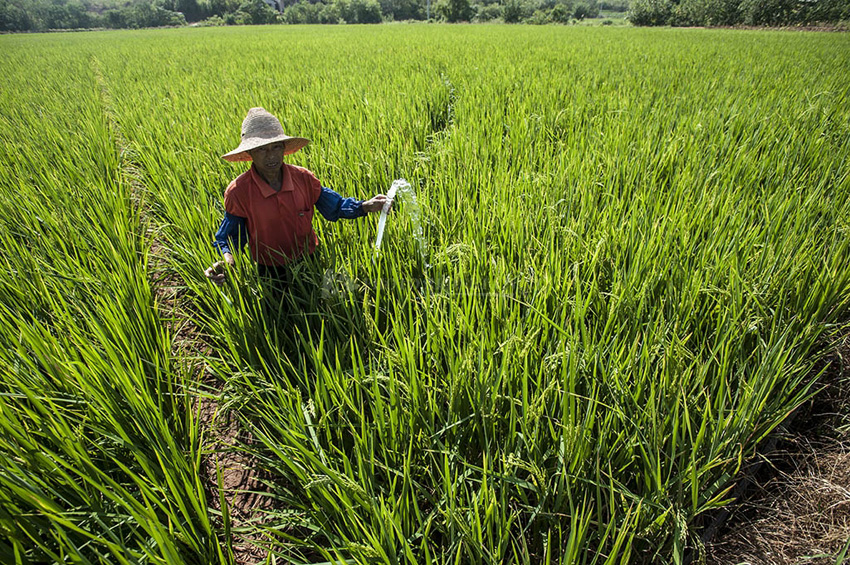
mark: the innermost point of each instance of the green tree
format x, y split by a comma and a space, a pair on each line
303, 13
487, 12
586, 10
515, 11
330, 14
190, 9
221, 7
768, 12
145, 14
562, 13
824, 11
650, 12
14, 18
454, 10
402, 9
364, 12
256, 12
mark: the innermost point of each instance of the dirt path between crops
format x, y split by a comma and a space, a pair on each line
241, 486
797, 508
229, 473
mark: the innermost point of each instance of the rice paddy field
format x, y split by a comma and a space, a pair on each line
636, 249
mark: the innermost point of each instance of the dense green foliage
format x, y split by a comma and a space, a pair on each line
738, 12
637, 242
35, 15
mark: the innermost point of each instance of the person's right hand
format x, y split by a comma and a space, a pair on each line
218, 272
376, 204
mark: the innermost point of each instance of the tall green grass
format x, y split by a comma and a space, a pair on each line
99, 447
637, 248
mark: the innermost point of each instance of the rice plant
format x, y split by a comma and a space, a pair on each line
637, 248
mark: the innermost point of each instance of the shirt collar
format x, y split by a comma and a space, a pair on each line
265, 189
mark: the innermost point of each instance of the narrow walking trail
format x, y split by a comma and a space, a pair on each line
232, 489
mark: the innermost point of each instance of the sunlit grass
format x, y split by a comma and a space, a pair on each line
637, 244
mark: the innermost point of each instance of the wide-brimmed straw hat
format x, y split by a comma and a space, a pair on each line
261, 128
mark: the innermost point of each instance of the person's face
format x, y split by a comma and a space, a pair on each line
269, 158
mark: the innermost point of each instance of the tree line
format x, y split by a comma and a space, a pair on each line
41, 15
738, 12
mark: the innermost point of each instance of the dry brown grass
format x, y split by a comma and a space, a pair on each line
798, 507
801, 516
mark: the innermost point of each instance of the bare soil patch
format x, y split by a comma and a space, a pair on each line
797, 507
232, 475
229, 473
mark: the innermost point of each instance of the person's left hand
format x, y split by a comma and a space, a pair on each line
376, 204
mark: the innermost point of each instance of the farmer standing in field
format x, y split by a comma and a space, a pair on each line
270, 206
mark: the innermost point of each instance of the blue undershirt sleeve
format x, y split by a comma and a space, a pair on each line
233, 230
332, 206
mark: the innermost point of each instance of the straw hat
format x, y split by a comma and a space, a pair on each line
261, 128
